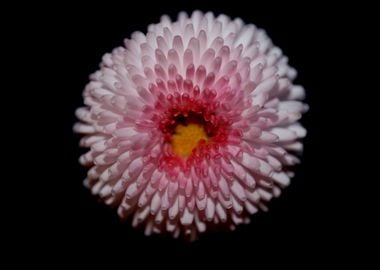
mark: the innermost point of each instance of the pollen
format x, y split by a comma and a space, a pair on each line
187, 137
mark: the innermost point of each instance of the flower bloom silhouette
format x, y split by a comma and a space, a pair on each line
194, 124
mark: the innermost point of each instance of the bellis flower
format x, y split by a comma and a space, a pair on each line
192, 125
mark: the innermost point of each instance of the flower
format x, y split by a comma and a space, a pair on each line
191, 125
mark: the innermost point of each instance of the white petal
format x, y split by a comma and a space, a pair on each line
250, 162
238, 191
155, 203
281, 178
210, 209
187, 217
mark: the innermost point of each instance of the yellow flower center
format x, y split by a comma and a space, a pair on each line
187, 137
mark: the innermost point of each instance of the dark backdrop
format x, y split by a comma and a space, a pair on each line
301, 224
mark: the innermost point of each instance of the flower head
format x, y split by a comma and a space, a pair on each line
192, 124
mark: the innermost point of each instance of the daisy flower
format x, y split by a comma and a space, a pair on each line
192, 125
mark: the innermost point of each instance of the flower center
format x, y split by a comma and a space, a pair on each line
193, 129
187, 136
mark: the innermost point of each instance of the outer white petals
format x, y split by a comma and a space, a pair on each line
83, 114
155, 204
292, 106
125, 133
265, 169
210, 209
174, 210
223, 186
221, 212
296, 92
200, 225
284, 134
84, 129
238, 191
268, 137
298, 129
251, 209
245, 36
187, 217
265, 86
250, 162
274, 162
260, 99
281, 178
295, 146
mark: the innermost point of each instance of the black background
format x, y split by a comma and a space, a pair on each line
301, 227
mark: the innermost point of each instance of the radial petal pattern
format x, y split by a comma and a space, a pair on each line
194, 124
